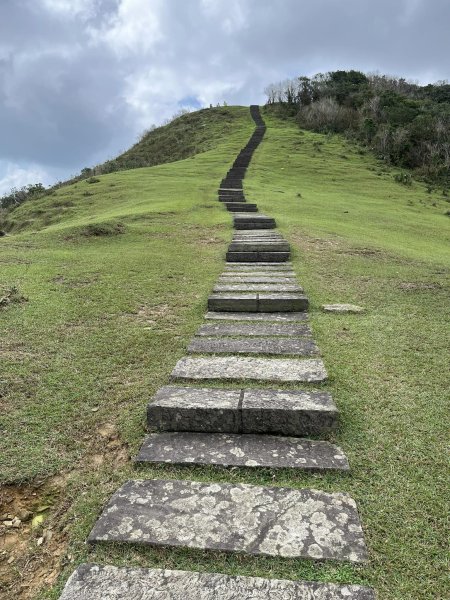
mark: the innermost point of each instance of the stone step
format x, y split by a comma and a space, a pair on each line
282, 412
265, 224
254, 329
257, 267
234, 183
267, 235
243, 368
264, 277
253, 520
241, 450
257, 287
241, 207
256, 246
257, 235
224, 279
94, 582
253, 345
278, 317
257, 302
268, 256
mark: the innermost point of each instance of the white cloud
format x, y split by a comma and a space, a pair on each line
135, 27
15, 176
231, 14
69, 7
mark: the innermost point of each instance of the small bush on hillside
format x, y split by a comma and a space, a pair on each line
92, 180
403, 178
103, 229
11, 296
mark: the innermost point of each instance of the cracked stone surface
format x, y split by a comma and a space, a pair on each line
227, 345
294, 413
94, 582
342, 308
241, 518
176, 408
243, 316
257, 287
252, 329
288, 412
241, 450
233, 368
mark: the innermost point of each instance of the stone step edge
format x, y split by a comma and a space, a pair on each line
241, 450
98, 582
295, 413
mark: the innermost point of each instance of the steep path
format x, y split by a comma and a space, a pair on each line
255, 295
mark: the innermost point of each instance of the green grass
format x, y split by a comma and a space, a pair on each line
108, 315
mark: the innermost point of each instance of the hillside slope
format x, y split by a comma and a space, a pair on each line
116, 275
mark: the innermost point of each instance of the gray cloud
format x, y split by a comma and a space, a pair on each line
79, 79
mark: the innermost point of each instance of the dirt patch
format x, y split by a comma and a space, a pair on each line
316, 244
371, 252
32, 547
74, 283
34, 532
149, 315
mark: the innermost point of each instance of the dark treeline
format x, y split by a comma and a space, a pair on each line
403, 123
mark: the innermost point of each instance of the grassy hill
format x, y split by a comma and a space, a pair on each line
116, 275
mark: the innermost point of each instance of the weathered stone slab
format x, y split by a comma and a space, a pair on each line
250, 235
236, 368
295, 413
233, 302
241, 450
273, 257
342, 308
251, 329
273, 346
268, 279
257, 287
248, 272
255, 246
241, 207
257, 302
93, 582
243, 316
288, 412
176, 408
285, 302
241, 518
263, 266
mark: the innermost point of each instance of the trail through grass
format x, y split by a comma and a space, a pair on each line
117, 281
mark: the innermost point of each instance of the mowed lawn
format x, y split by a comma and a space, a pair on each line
117, 283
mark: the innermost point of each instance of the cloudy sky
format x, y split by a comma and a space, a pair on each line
80, 79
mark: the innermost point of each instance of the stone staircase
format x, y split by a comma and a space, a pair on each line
255, 332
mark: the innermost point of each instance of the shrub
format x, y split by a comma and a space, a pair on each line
403, 178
